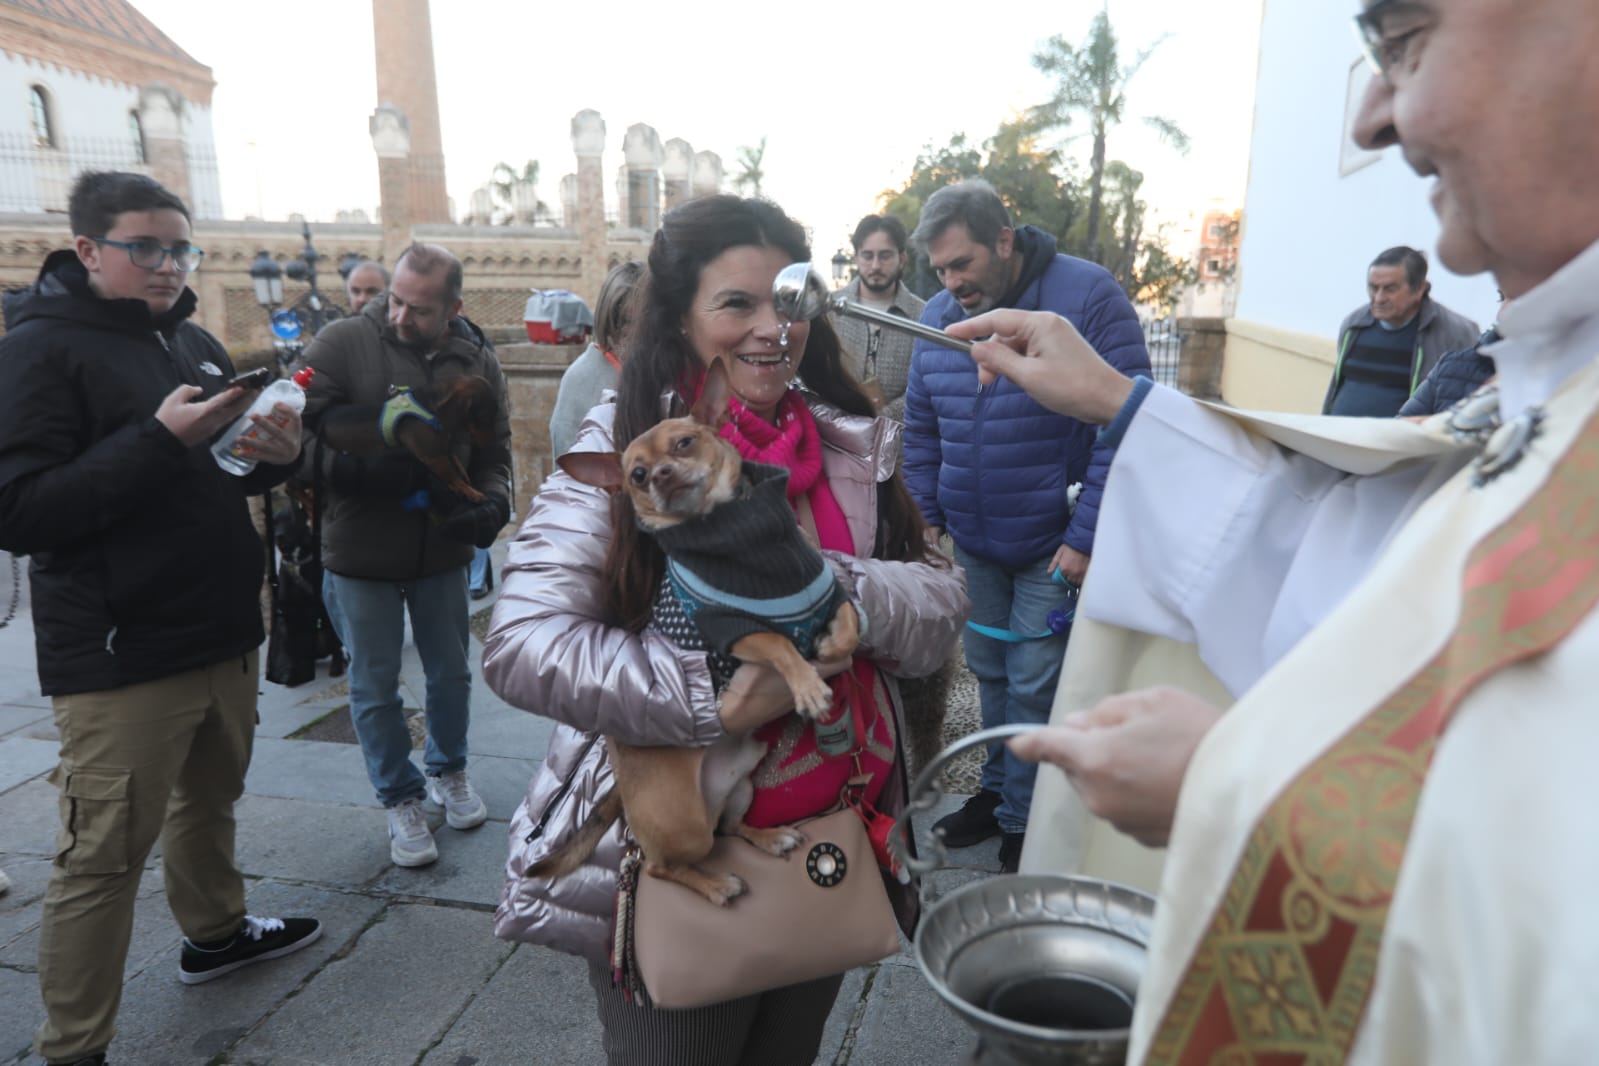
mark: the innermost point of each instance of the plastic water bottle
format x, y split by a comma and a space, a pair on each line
230, 445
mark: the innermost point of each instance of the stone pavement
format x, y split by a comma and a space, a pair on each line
408, 970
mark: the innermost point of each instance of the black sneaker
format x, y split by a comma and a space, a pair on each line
972, 824
259, 939
92, 1060
1010, 852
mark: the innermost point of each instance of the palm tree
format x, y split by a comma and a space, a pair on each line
1091, 82
750, 173
514, 192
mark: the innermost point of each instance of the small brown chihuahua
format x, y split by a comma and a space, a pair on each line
691, 491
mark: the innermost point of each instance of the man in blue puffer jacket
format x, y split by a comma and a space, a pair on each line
993, 468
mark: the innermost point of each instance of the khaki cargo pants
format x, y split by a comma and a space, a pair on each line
158, 759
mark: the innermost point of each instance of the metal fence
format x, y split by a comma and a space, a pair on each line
36, 178
1165, 344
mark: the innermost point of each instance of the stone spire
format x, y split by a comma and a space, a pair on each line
403, 33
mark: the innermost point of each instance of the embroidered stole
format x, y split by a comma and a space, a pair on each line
1284, 970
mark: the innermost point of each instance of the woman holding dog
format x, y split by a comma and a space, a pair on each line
580, 633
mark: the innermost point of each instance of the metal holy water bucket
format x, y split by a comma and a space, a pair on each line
1045, 967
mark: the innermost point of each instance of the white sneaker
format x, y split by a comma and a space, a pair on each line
410, 839
463, 808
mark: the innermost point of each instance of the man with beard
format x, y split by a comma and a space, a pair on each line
393, 540
881, 358
995, 469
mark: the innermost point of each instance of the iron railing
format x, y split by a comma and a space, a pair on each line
1165, 344
36, 179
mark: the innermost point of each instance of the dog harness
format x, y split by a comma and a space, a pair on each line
401, 404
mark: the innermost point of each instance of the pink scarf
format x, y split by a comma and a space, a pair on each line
796, 445
811, 783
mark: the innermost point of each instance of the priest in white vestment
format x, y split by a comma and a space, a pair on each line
1382, 852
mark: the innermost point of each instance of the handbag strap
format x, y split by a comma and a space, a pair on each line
271, 549
624, 955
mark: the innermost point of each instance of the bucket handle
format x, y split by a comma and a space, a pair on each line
926, 793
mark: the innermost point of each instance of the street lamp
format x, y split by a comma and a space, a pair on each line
267, 277
310, 311
304, 269
840, 268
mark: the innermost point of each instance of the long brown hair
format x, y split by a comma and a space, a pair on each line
661, 364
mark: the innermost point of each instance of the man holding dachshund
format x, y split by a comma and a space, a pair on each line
394, 538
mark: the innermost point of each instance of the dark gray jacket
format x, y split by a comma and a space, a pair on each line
1442, 330
893, 363
356, 361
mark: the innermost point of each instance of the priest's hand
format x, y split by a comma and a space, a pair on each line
1046, 356
1127, 756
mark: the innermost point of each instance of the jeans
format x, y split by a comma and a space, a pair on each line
478, 573
1015, 682
369, 617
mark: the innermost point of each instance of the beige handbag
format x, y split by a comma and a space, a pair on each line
822, 910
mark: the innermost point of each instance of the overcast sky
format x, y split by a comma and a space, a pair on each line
847, 95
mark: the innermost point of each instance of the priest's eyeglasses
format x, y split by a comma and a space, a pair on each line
1388, 33
150, 253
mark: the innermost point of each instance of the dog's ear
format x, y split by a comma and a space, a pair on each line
711, 407
603, 470
458, 394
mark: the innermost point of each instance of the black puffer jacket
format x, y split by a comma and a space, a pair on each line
144, 560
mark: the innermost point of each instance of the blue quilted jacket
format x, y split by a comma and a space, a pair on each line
992, 466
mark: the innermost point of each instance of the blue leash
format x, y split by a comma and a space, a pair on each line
1059, 620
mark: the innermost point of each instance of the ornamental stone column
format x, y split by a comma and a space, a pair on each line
641, 148
165, 148
391, 140
707, 174
588, 143
677, 172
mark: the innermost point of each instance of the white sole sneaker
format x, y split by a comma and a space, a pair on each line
458, 816
413, 848
419, 857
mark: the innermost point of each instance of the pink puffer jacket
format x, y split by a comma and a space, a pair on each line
547, 651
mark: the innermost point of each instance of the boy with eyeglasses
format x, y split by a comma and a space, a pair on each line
145, 572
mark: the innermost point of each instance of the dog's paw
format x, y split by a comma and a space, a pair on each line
813, 697
779, 840
788, 838
832, 648
843, 636
725, 889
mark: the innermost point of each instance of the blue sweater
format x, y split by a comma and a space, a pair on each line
992, 466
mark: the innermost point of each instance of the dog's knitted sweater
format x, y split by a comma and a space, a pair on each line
747, 568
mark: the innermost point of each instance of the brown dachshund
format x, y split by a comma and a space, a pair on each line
462, 406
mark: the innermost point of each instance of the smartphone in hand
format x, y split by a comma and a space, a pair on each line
255, 379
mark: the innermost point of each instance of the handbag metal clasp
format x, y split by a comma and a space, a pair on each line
826, 864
